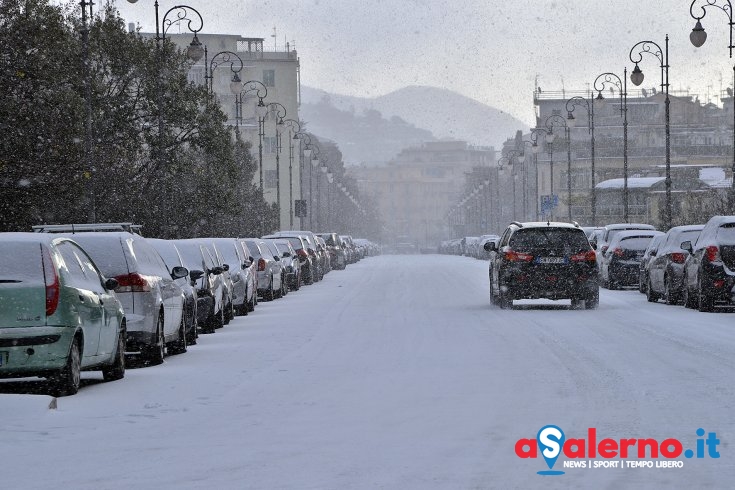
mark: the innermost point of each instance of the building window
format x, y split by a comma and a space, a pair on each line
269, 78
270, 179
269, 144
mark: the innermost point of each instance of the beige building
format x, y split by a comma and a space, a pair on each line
414, 191
278, 72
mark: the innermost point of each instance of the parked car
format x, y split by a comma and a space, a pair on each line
239, 270
59, 315
271, 244
666, 268
170, 255
252, 301
337, 254
209, 285
306, 261
601, 241
268, 269
227, 278
324, 251
646, 260
543, 260
620, 265
153, 302
317, 270
291, 262
709, 271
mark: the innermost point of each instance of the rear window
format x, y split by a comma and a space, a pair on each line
565, 239
689, 235
107, 253
253, 248
229, 254
167, 251
20, 262
296, 243
635, 243
726, 234
191, 254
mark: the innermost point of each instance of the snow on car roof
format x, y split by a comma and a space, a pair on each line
633, 182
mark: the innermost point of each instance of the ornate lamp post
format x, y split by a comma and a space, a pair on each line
698, 36
194, 52
603, 80
571, 104
291, 126
311, 153
280, 112
551, 121
535, 149
636, 76
91, 217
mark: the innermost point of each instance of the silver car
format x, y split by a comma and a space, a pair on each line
269, 271
153, 302
239, 271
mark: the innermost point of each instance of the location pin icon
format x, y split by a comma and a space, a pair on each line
550, 441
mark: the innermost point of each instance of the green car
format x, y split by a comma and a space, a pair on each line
58, 314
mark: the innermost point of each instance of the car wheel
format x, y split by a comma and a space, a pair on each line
116, 370
252, 302
191, 334
688, 297
179, 346
670, 297
642, 281
577, 303
67, 381
503, 301
270, 295
705, 302
592, 301
651, 296
155, 353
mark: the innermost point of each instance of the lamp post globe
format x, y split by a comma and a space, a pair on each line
236, 84
195, 51
636, 76
307, 153
698, 36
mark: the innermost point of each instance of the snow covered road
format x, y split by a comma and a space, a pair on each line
398, 374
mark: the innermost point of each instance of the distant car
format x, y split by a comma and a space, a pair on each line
278, 257
291, 262
601, 240
153, 302
300, 245
240, 272
172, 258
620, 264
649, 253
59, 314
666, 268
337, 253
549, 260
206, 277
268, 269
709, 271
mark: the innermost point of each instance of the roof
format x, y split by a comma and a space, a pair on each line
75, 227
545, 224
633, 182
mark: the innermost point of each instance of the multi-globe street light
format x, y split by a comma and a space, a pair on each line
194, 52
636, 76
603, 80
698, 36
572, 104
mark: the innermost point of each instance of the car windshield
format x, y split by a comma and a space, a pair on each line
560, 239
20, 262
726, 234
635, 243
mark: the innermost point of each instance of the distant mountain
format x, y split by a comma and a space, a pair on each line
444, 113
362, 136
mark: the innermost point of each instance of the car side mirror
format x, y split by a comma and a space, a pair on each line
111, 284
225, 267
216, 270
687, 245
490, 247
286, 254
653, 253
195, 275
246, 264
251, 259
178, 272
277, 258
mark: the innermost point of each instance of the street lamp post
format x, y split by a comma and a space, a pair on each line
87, 74
280, 112
291, 125
599, 84
698, 36
570, 106
551, 121
194, 52
636, 77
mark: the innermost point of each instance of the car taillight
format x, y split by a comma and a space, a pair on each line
712, 253
261, 264
512, 256
618, 251
302, 253
132, 283
51, 279
678, 257
588, 256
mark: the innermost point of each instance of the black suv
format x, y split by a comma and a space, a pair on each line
543, 260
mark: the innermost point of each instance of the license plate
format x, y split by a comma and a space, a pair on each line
551, 260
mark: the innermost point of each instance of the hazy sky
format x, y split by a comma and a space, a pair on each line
486, 49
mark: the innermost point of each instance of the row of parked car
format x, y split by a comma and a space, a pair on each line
86, 297
691, 265
469, 246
